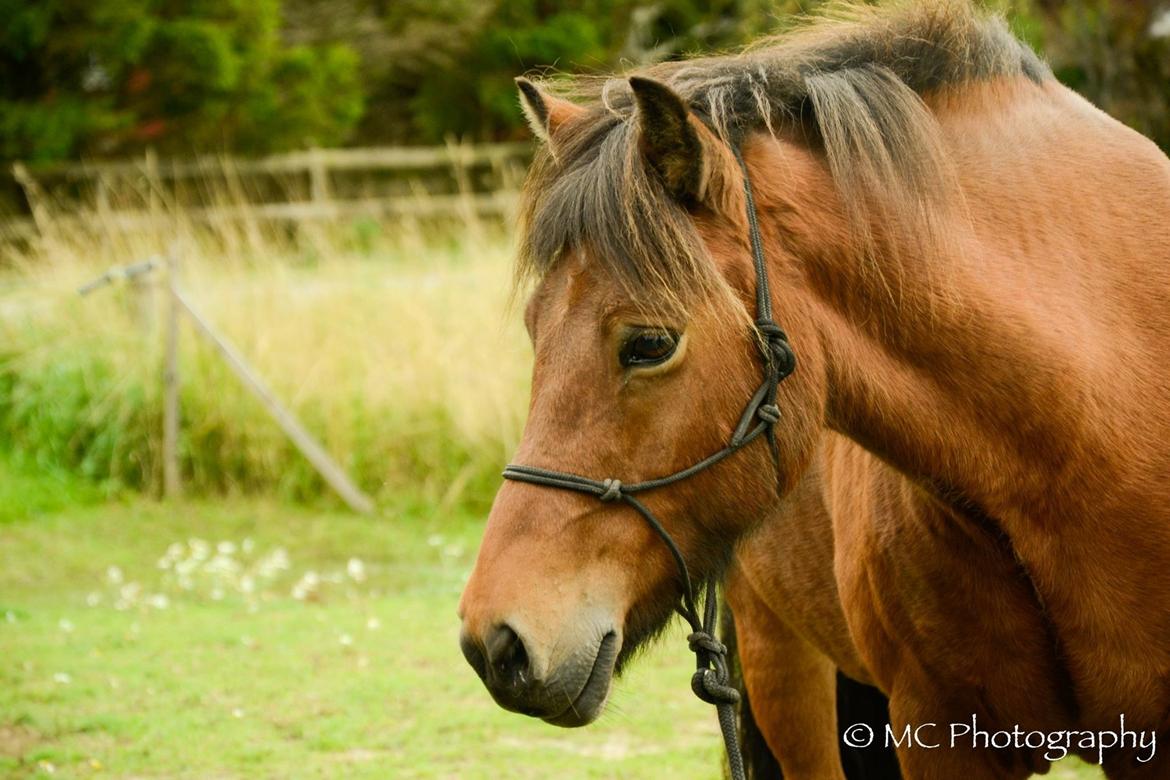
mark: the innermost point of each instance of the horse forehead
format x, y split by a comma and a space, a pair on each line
572, 288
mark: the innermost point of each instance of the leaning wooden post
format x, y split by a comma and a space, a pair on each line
304, 441
171, 483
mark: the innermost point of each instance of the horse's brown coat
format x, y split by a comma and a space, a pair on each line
1012, 558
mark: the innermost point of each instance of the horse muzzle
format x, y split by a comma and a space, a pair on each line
570, 691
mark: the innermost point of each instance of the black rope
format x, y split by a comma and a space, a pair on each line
710, 681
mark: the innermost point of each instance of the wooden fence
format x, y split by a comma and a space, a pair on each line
456, 180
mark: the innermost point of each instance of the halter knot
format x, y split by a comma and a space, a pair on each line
710, 684
613, 490
778, 351
702, 642
769, 413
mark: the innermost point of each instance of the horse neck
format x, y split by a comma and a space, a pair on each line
947, 363
1018, 373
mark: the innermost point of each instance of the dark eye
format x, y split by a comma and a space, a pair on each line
648, 348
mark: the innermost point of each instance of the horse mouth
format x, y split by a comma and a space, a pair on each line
590, 701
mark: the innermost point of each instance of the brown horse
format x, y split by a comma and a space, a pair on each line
973, 266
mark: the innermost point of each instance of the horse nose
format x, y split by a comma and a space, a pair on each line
507, 658
501, 660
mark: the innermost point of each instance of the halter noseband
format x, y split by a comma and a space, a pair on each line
710, 681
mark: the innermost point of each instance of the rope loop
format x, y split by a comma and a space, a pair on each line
769, 413
771, 331
613, 490
707, 686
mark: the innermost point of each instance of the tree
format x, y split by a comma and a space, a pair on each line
106, 76
445, 67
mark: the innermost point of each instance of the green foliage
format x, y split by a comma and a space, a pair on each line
314, 96
458, 59
110, 76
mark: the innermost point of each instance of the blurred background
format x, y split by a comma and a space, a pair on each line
319, 191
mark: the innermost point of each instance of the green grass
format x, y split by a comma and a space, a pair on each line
362, 679
356, 679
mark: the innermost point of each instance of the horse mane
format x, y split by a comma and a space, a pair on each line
849, 80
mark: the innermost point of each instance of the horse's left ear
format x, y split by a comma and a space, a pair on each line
671, 140
546, 114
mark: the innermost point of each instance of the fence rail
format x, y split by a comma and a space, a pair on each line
314, 184
361, 158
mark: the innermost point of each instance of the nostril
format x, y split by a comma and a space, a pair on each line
473, 654
507, 656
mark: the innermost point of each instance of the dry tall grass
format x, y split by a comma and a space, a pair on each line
392, 343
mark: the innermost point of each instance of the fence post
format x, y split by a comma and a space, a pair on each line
171, 379
459, 154
153, 182
35, 197
318, 176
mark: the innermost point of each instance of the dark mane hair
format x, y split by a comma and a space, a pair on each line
850, 78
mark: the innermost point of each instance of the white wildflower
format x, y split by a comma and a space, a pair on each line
159, 601
345, 639
173, 554
200, 550
237, 713
93, 599
356, 570
247, 545
114, 575
272, 564
62, 678
65, 625
373, 624
226, 548
435, 540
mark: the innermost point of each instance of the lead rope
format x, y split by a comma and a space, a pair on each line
710, 682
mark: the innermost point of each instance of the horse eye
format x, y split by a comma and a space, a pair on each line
648, 348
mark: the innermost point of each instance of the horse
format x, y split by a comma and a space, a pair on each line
972, 266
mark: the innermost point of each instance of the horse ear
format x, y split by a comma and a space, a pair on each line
545, 113
670, 141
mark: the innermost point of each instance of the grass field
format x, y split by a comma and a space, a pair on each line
115, 667
136, 644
